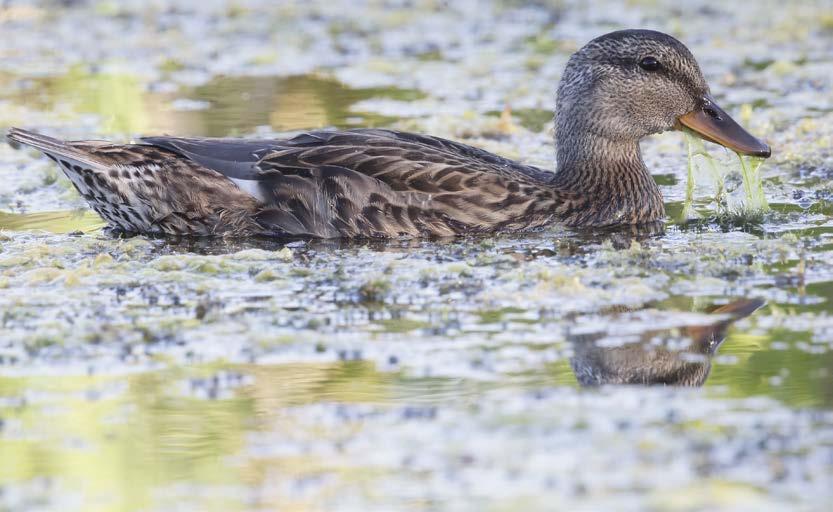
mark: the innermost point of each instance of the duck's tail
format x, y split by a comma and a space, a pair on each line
53, 148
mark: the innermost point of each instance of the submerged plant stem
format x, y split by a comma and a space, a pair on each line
689, 189
751, 206
753, 185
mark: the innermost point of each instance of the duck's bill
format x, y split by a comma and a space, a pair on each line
713, 124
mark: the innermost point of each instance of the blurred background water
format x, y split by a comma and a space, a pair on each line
474, 374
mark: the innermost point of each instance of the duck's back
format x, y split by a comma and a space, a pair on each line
372, 183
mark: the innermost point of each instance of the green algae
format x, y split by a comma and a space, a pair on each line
755, 203
267, 275
312, 395
402, 325
497, 315
726, 206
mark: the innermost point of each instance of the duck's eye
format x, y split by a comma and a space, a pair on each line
649, 64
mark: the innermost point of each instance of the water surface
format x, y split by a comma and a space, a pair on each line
685, 369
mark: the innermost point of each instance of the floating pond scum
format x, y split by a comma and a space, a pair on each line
742, 203
233, 375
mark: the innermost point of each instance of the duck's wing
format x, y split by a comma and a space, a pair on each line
375, 183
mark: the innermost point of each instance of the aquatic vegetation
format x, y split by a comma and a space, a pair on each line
374, 290
144, 374
755, 202
728, 204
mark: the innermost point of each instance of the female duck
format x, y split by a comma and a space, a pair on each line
615, 90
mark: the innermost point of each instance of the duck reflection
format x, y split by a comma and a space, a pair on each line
657, 357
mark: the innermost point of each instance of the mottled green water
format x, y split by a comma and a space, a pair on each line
53, 222
224, 106
182, 374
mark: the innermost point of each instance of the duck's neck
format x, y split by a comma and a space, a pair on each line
609, 180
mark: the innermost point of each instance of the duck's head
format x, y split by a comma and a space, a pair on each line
628, 84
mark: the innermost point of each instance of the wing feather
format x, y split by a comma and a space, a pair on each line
374, 182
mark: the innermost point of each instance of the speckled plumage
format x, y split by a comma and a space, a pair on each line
385, 183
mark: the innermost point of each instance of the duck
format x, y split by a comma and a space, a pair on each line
381, 183
645, 362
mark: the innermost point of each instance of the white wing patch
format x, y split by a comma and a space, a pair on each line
251, 187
